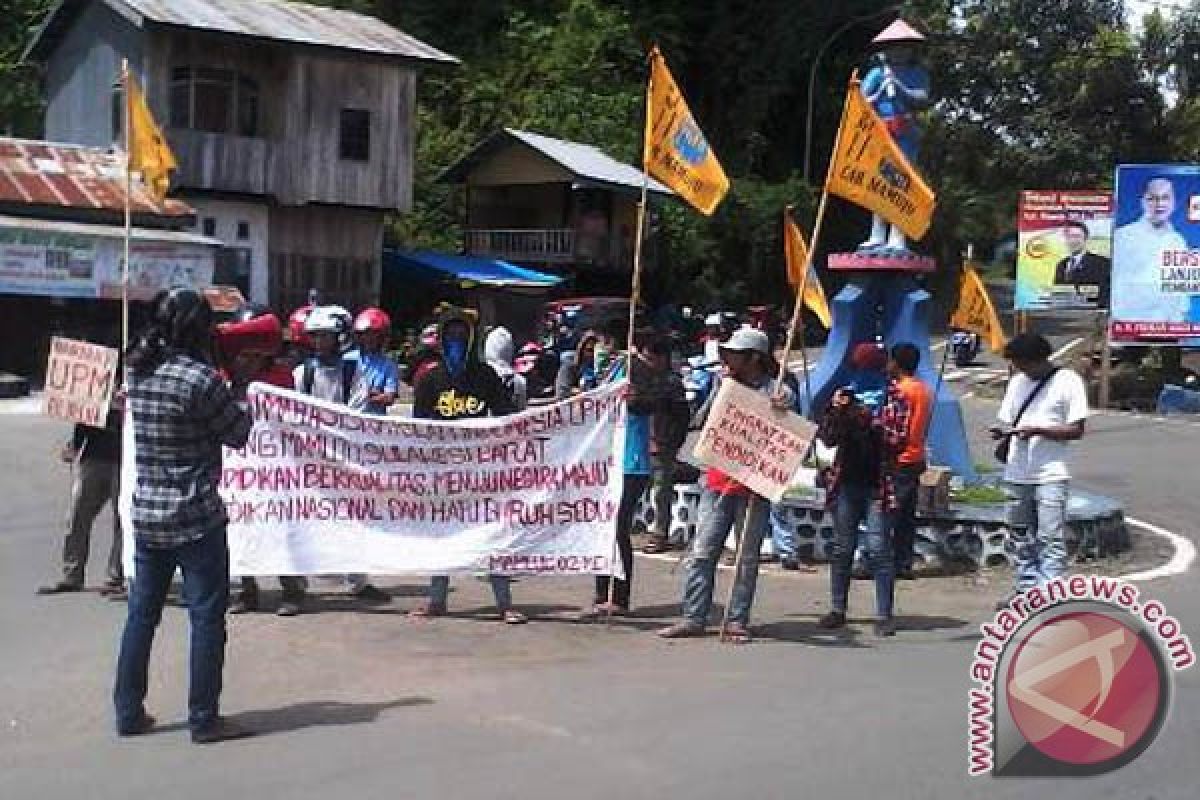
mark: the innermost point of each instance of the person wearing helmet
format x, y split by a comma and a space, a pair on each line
183, 415
379, 379
459, 387
427, 356
330, 375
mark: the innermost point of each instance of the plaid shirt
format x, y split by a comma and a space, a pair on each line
182, 414
889, 430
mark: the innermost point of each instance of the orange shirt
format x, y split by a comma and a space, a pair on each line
919, 398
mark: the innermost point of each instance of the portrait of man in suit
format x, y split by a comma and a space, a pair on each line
1080, 268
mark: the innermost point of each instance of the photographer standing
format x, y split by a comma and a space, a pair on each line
183, 413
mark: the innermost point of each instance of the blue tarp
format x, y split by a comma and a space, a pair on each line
430, 264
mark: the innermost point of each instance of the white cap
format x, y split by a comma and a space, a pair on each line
713, 320
746, 338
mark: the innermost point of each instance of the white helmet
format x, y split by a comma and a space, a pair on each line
327, 319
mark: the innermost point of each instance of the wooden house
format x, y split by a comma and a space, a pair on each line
551, 204
292, 124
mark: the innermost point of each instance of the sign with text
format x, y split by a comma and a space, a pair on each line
321, 489
80, 377
753, 443
1063, 246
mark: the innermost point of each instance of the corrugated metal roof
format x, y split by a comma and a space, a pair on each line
587, 161
589, 164
51, 175
268, 19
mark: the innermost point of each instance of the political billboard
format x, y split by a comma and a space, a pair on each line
1063, 239
1156, 255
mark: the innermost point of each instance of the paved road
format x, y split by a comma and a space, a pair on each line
372, 705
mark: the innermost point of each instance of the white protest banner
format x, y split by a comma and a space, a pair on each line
80, 377
753, 443
320, 489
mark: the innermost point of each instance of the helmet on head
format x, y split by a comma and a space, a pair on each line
372, 319
254, 329
184, 317
327, 319
429, 335
295, 326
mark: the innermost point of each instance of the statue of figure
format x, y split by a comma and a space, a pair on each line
897, 86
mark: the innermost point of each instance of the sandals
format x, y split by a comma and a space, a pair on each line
736, 633
603, 610
656, 544
513, 617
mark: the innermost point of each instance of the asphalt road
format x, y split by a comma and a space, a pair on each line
368, 704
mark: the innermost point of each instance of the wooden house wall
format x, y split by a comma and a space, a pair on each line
333, 248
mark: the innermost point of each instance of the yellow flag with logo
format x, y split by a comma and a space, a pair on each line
802, 275
148, 150
975, 311
870, 170
675, 150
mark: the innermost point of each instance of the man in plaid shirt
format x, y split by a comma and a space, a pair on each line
861, 488
183, 414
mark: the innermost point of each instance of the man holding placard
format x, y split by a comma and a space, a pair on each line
746, 356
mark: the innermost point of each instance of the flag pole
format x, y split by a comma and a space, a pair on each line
818, 224
635, 293
128, 205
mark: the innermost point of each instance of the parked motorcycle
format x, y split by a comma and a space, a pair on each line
964, 347
699, 377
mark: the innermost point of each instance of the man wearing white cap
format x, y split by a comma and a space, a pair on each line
746, 356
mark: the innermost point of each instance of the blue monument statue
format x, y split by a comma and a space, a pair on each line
882, 302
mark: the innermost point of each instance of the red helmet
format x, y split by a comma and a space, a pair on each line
296, 326
372, 319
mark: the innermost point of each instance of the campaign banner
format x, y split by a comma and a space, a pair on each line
80, 377
1063, 250
45, 263
757, 445
1156, 255
321, 489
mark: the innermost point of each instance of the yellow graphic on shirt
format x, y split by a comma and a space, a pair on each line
451, 404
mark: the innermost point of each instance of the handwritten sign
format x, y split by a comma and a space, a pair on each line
320, 489
753, 443
80, 377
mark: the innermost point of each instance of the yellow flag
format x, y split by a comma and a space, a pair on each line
807, 283
675, 150
148, 150
870, 170
975, 311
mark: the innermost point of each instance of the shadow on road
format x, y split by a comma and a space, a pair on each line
320, 714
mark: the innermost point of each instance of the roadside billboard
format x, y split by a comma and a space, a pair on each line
1156, 255
1063, 239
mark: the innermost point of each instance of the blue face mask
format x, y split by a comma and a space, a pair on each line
454, 352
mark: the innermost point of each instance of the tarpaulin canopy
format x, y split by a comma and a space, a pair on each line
479, 270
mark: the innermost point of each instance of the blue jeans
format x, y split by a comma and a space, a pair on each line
205, 567
1037, 540
718, 514
439, 591
855, 505
783, 534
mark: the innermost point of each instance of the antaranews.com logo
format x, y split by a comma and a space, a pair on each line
1073, 677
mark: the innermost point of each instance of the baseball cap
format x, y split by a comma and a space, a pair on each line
745, 339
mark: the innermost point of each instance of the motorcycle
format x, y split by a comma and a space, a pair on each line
964, 347
699, 377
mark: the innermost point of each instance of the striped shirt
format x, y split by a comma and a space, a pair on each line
182, 415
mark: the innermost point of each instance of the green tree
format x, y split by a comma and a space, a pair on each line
20, 102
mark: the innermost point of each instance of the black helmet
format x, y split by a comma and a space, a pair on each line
184, 317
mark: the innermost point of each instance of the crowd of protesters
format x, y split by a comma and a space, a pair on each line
184, 409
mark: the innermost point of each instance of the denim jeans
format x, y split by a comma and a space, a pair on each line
205, 567
855, 505
904, 526
439, 591
783, 534
718, 514
1037, 541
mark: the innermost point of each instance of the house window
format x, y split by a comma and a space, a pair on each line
232, 267
354, 142
243, 230
213, 100
210, 226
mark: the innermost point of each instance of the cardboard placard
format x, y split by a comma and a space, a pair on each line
753, 443
80, 377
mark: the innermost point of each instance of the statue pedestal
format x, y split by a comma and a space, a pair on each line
885, 303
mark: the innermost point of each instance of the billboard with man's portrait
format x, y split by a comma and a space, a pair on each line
1063, 241
1156, 255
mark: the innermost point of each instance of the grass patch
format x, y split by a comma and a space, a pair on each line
987, 468
980, 496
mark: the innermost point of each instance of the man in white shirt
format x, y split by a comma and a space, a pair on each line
1138, 249
1043, 409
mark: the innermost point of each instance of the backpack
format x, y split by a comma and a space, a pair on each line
349, 368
